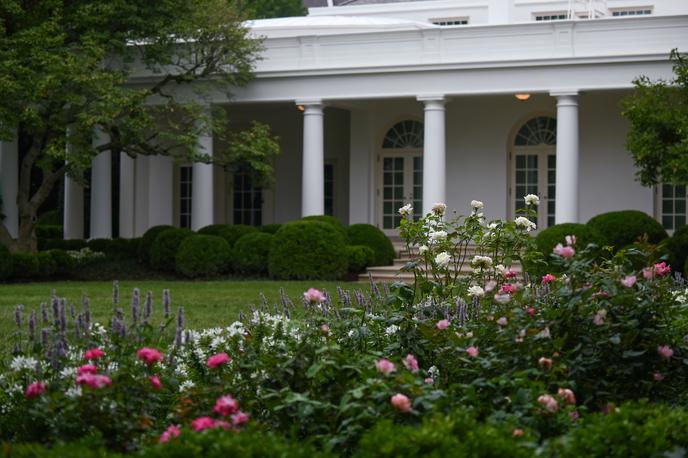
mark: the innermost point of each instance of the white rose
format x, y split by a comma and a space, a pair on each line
481, 262
532, 199
438, 236
525, 223
502, 298
442, 260
439, 208
476, 291
476, 205
423, 249
406, 210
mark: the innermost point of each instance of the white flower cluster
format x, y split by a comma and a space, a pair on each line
442, 260
476, 291
85, 254
406, 210
532, 199
524, 223
681, 296
392, 329
23, 362
437, 236
481, 262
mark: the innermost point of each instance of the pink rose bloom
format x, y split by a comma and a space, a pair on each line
545, 363
662, 269
226, 405
472, 351
93, 380
149, 355
508, 288
502, 321
442, 324
218, 360
665, 351
170, 432
510, 273
548, 403
87, 369
314, 296
518, 432
490, 285
34, 390
239, 418
222, 424
658, 377
549, 278
567, 395
599, 317
570, 239
564, 251
648, 273
155, 382
600, 293
531, 311
628, 281
325, 329
385, 366
202, 423
401, 402
94, 353
429, 380
411, 363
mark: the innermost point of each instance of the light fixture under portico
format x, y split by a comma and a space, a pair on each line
522, 96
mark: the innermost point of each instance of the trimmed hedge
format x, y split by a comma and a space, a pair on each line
165, 246
115, 248
359, 257
623, 228
64, 263
6, 263
331, 220
270, 228
250, 254
60, 244
25, 265
677, 246
202, 256
146, 243
373, 237
308, 250
47, 267
547, 239
231, 233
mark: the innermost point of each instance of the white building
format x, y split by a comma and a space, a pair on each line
380, 103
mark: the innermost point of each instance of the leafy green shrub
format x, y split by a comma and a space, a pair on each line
64, 263
270, 228
231, 233
25, 265
60, 244
373, 237
360, 257
51, 217
331, 220
250, 254
165, 246
307, 250
49, 231
115, 248
6, 263
622, 228
202, 256
46, 264
146, 243
677, 246
547, 239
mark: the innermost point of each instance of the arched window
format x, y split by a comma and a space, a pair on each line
538, 131
404, 134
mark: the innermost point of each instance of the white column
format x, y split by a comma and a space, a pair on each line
567, 157
202, 208
313, 166
9, 182
101, 190
127, 191
434, 152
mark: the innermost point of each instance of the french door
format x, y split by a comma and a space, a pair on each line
533, 171
400, 182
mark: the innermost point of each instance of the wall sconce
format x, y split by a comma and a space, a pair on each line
522, 97
300, 107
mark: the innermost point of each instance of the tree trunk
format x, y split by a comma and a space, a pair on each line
26, 241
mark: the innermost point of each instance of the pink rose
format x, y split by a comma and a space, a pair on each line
226, 405
93, 380
35, 390
401, 402
658, 377
222, 424
545, 363
218, 360
442, 324
567, 395
548, 403
87, 369
428, 380
202, 423
239, 418
472, 351
628, 281
170, 432
314, 296
385, 366
155, 382
665, 351
662, 269
549, 278
94, 353
149, 355
508, 288
411, 363
490, 285
531, 311
502, 321
648, 273
599, 317
510, 273
564, 251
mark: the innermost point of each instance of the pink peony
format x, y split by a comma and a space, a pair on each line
442, 324
411, 363
401, 402
149, 355
665, 351
567, 395
35, 390
170, 432
658, 377
385, 366
628, 281
545, 363
218, 360
87, 369
226, 405
662, 269
564, 251
548, 403
472, 351
239, 418
502, 321
202, 423
314, 296
155, 382
549, 278
94, 353
93, 380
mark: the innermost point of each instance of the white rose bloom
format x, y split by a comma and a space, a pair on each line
525, 223
481, 262
532, 199
439, 208
500, 269
476, 291
502, 298
442, 260
423, 249
493, 225
406, 210
391, 330
438, 236
476, 205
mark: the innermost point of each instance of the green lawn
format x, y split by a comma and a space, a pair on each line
207, 303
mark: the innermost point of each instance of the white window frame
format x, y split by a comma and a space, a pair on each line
659, 208
231, 182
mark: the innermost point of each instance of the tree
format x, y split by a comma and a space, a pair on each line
658, 135
263, 9
127, 68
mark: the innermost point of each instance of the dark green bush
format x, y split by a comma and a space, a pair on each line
202, 256
25, 265
146, 243
60, 244
331, 220
677, 246
114, 248
371, 236
250, 254
46, 264
6, 263
270, 228
623, 228
64, 263
308, 250
360, 257
547, 239
51, 217
231, 233
49, 231
165, 246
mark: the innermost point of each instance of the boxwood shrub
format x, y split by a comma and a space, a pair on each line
677, 246
230, 232
547, 239
250, 254
47, 267
270, 228
165, 246
49, 231
64, 263
359, 257
371, 236
25, 265
331, 220
202, 256
622, 228
6, 263
146, 243
308, 250
60, 244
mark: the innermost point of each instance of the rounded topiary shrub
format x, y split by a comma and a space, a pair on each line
373, 237
677, 246
25, 265
331, 220
165, 246
360, 257
230, 232
146, 243
308, 250
623, 228
250, 254
202, 256
270, 228
547, 239
6, 263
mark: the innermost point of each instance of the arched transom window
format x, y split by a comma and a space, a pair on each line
404, 134
538, 131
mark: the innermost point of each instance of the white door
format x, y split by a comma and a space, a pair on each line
533, 171
400, 182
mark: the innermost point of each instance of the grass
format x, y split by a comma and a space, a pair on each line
206, 303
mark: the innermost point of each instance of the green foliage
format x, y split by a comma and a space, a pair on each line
51, 217
359, 257
677, 246
202, 256
165, 246
146, 244
270, 228
60, 244
230, 232
49, 231
263, 9
658, 134
371, 236
547, 239
47, 267
115, 248
6, 263
305, 250
251, 251
331, 220
26, 265
622, 228
64, 263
